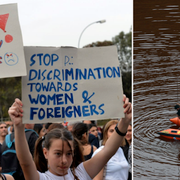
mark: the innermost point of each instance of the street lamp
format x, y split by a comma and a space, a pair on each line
102, 21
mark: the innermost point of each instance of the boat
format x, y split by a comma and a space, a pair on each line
170, 134
176, 121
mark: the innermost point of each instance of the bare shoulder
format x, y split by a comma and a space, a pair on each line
94, 148
9, 177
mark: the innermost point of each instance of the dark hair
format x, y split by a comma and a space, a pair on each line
91, 125
55, 125
92, 121
38, 127
78, 130
47, 125
46, 141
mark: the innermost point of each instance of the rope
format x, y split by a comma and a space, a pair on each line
178, 104
177, 90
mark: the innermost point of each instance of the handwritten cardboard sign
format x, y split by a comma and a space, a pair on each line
71, 84
12, 61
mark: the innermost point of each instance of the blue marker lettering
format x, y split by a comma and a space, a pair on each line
90, 73
55, 57
68, 112
74, 87
104, 72
48, 59
52, 86
57, 113
41, 113
59, 99
33, 111
38, 87
40, 60
63, 112
59, 86
57, 74
66, 60
39, 74
44, 76
98, 72
49, 113
77, 110
42, 99
80, 74
70, 98
67, 86
69, 73
31, 86
100, 108
63, 74
45, 87
33, 100
32, 74
109, 72
48, 75
51, 98
85, 111
116, 72
93, 109
32, 60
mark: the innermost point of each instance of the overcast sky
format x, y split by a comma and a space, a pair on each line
60, 22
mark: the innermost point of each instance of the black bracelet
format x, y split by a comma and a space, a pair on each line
120, 133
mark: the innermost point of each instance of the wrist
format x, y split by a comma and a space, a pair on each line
123, 125
126, 121
119, 132
18, 126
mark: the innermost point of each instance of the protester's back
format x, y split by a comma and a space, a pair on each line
9, 161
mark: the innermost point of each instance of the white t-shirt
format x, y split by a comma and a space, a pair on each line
117, 167
79, 171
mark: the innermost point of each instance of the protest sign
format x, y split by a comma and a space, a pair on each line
12, 61
71, 84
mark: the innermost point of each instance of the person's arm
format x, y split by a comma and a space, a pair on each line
97, 162
99, 176
22, 150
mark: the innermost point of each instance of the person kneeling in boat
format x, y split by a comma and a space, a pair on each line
177, 107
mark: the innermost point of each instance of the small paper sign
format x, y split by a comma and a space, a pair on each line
12, 61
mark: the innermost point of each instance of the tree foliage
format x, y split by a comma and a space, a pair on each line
124, 47
98, 44
9, 89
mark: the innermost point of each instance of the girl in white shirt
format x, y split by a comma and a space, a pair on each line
117, 167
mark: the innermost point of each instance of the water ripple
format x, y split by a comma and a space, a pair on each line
155, 90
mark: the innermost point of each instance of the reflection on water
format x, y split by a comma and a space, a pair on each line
156, 88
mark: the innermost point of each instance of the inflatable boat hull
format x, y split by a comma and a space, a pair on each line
176, 121
170, 134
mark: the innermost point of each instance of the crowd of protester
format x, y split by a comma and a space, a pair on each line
89, 138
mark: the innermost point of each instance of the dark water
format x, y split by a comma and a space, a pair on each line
156, 88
